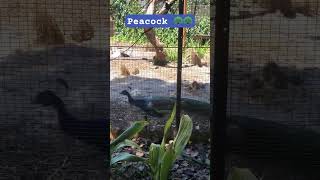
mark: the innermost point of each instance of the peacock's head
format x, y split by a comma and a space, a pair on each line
125, 92
47, 98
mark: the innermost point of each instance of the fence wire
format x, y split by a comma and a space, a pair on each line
274, 76
132, 66
133, 70
56, 46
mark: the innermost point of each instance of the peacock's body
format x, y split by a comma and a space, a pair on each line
90, 131
155, 105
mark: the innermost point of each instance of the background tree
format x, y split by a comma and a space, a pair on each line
161, 57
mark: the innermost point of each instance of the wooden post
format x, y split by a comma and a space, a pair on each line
185, 11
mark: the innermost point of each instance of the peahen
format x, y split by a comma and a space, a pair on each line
90, 131
156, 105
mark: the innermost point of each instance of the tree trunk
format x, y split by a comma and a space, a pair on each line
161, 57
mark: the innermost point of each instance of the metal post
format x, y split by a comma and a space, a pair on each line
179, 67
220, 86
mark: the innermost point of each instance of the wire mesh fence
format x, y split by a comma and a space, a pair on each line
58, 48
274, 77
134, 72
132, 58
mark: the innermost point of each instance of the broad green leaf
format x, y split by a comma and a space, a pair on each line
129, 133
125, 157
166, 163
154, 156
126, 143
241, 174
168, 125
183, 135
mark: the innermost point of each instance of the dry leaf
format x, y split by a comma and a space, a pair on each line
139, 154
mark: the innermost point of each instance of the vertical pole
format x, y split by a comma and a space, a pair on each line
220, 86
179, 68
185, 11
109, 34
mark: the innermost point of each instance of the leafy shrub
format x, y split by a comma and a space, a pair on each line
124, 141
162, 156
168, 36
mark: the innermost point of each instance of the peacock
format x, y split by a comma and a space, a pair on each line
90, 131
158, 105
146, 104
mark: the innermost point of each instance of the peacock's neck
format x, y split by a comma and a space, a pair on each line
63, 114
130, 98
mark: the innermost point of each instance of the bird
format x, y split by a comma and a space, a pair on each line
269, 141
157, 105
143, 103
93, 131
123, 54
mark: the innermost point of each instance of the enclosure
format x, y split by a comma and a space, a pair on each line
272, 94
273, 72
134, 68
58, 46
55, 85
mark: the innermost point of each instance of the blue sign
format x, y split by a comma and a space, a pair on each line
160, 21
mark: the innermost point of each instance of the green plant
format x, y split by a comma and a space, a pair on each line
172, 54
162, 157
124, 141
168, 36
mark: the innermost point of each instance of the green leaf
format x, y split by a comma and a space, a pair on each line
241, 174
154, 157
129, 133
167, 162
127, 143
124, 156
183, 135
168, 125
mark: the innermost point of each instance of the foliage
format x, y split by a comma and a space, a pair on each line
168, 36
123, 141
162, 156
172, 53
121, 8
202, 27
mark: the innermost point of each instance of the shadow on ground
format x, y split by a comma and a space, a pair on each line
32, 144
